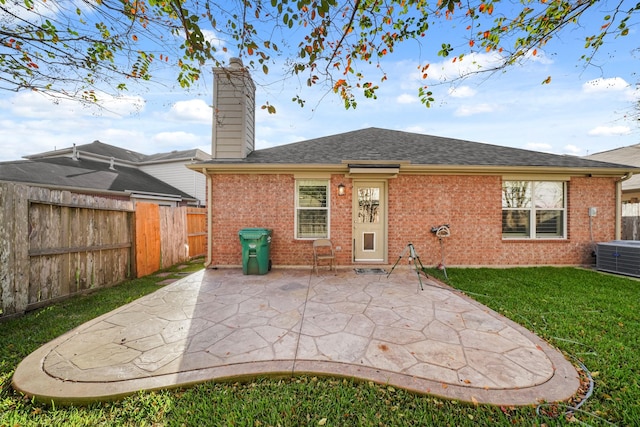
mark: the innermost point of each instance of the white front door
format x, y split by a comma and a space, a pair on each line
369, 221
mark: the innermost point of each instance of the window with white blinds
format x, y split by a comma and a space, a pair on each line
312, 209
534, 209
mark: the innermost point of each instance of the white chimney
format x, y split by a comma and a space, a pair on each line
233, 112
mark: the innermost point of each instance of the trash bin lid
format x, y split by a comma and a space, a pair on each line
253, 233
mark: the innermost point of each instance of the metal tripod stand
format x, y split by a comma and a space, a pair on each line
413, 256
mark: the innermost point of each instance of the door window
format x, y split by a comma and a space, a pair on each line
368, 205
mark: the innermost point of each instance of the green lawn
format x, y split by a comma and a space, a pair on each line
593, 318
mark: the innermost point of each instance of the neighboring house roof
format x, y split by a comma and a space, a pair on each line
168, 168
87, 174
375, 145
629, 155
171, 156
105, 151
97, 148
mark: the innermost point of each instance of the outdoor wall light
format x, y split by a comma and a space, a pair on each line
341, 189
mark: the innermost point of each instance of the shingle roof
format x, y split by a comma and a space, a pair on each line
122, 154
629, 155
98, 148
375, 144
83, 173
177, 155
102, 149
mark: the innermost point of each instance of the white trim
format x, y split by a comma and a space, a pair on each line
296, 208
374, 171
532, 214
374, 241
536, 177
384, 224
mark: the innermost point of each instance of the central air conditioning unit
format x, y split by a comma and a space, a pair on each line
619, 256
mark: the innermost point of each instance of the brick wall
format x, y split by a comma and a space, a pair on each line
471, 205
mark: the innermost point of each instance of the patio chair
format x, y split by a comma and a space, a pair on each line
323, 251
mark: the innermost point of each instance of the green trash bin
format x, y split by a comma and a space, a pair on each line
256, 245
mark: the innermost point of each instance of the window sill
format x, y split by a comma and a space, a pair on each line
538, 240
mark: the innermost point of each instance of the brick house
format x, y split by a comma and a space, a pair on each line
373, 191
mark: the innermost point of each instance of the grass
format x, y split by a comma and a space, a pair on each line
591, 317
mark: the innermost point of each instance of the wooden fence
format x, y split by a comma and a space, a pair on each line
168, 235
56, 243
197, 231
630, 221
148, 252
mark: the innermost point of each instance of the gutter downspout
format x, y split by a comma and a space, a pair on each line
209, 203
618, 228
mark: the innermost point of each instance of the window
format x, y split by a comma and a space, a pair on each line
368, 205
312, 209
533, 209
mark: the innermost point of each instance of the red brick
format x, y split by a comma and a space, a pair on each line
470, 204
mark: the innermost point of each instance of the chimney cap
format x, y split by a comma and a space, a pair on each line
235, 63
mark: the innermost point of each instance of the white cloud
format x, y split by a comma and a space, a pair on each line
610, 131
415, 129
36, 10
605, 85
572, 149
632, 94
120, 105
470, 64
540, 56
539, 146
176, 139
213, 38
32, 123
470, 110
405, 98
120, 137
462, 92
34, 105
194, 110
24, 137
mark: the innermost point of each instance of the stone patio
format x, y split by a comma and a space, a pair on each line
220, 325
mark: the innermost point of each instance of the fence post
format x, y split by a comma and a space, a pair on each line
133, 258
14, 248
630, 221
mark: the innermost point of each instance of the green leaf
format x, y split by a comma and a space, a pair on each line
446, 50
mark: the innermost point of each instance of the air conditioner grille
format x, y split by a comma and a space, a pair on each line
619, 256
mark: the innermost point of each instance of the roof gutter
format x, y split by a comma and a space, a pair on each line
404, 169
208, 204
159, 196
186, 159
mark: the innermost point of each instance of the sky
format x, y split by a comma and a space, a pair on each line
585, 109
